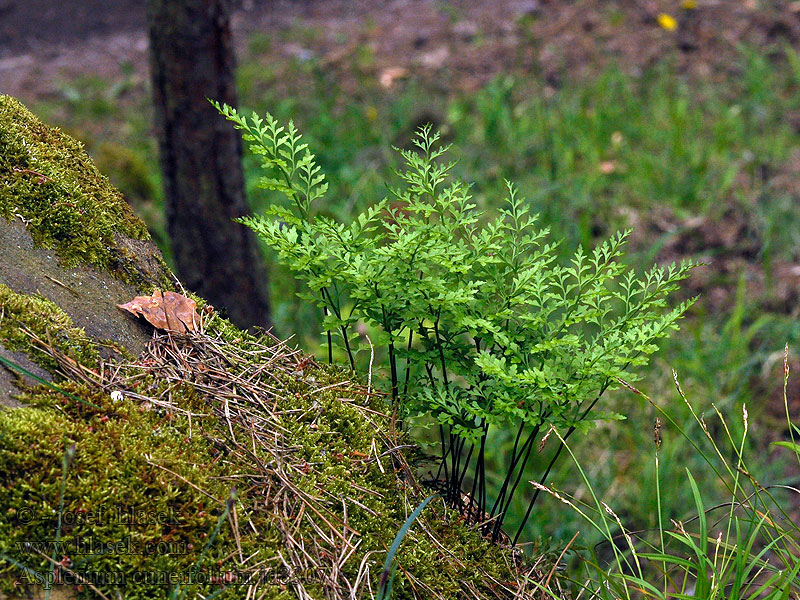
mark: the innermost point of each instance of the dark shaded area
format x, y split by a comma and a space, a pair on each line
26, 25
192, 59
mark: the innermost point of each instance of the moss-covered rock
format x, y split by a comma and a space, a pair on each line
209, 458
71, 250
49, 182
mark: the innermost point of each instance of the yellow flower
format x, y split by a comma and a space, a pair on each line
668, 22
689, 4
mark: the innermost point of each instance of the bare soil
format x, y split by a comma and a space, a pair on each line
459, 43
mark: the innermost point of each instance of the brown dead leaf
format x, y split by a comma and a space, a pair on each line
168, 311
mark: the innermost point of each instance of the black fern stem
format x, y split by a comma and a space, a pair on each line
570, 431
330, 340
347, 347
482, 492
482, 465
455, 452
393, 365
542, 479
499, 523
448, 494
392, 356
442, 362
453, 467
445, 453
479, 464
338, 314
455, 448
460, 483
408, 360
510, 472
445, 450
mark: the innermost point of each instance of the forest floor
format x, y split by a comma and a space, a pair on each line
460, 43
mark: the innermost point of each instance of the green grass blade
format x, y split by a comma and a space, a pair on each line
384, 587
20, 369
791, 446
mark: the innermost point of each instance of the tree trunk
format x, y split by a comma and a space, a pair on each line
192, 59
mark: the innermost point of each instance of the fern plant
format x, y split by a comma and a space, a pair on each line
483, 328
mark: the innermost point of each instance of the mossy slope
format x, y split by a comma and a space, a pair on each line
71, 247
322, 472
48, 181
322, 482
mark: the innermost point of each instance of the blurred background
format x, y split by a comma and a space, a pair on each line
678, 119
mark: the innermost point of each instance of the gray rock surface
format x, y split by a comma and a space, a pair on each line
88, 296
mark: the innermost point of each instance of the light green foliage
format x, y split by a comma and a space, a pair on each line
744, 547
290, 166
489, 329
594, 152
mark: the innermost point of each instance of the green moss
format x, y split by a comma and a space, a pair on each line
48, 180
134, 456
112, 476
334, 436
47, 321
